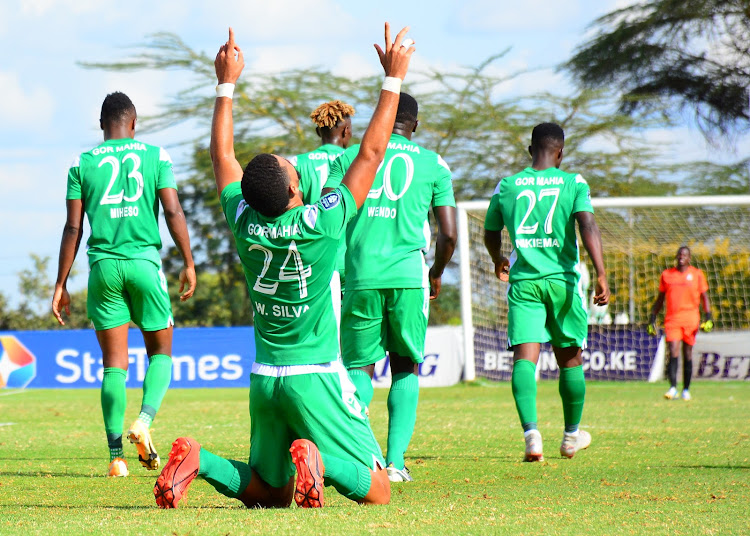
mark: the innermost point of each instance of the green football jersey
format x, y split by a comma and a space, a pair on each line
387, 241
313, 170
538, 208
118, 182
288, 263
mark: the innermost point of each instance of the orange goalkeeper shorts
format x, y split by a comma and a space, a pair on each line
681, 330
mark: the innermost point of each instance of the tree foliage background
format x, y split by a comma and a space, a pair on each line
693, 55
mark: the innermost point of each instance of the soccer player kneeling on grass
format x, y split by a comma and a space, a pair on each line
119, 184
300, 395
540, 207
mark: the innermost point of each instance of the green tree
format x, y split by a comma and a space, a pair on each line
35, 288
687, 54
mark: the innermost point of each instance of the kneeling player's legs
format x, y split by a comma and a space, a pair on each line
407, 311
323, 407
267, 480
271, 432
363, 335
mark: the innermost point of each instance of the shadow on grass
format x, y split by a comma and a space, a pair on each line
728, 466
123, 507
39, 474
48, 459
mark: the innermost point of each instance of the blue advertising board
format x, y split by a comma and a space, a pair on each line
613, 353
201, 357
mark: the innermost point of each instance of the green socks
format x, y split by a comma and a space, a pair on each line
113, 399
402, 416
572, 387
155, 385
523, 383
363, 383
351, 479
228, 477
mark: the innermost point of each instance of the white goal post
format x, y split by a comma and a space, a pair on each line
640, 237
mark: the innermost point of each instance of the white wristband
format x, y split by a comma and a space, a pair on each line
392, 84
225, 90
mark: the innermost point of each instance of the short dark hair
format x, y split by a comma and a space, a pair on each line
683, 247
546, 136
116, 107
264, 186
408, 109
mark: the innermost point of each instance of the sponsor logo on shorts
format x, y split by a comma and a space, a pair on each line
330, 201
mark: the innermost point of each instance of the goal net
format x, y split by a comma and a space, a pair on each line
640, 237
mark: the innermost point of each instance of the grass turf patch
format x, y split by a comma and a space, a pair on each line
656, 466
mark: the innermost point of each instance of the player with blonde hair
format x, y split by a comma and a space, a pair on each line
333, 124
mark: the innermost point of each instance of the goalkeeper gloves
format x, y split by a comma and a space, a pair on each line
651, 328
708, 324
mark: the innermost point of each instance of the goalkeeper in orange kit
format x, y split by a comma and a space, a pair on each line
684, 287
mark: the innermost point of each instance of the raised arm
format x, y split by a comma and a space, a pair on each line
177, 226
228, 64
592, 241
395, 61
71, 239
444, 246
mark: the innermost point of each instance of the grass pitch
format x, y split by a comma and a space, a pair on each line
654, 466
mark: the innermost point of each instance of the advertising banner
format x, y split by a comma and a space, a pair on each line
722, 356
443, 360
613, 353
202, 357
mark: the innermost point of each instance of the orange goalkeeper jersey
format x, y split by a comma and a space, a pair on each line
683, 291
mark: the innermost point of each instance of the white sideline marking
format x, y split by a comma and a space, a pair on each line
7, 423
18, 392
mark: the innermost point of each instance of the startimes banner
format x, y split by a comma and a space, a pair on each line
201, 357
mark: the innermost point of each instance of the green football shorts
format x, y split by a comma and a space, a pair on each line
315, 402
546, 311
380, 320
125, 290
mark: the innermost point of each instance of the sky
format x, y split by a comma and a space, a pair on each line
50, 105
